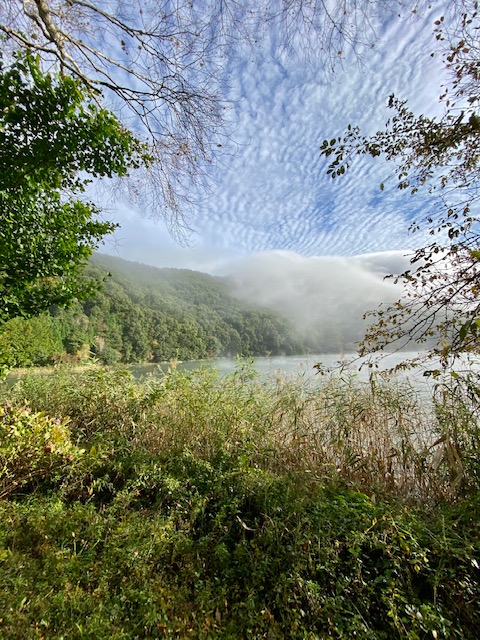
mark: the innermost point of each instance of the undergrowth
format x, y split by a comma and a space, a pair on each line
194, 506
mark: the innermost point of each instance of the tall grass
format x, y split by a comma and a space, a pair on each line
188, 505
379, 437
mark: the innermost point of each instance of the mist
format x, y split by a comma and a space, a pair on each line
324, 297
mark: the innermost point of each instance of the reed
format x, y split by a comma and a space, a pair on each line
193, 506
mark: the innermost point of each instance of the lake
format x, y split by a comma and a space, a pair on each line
290, 365
302, 365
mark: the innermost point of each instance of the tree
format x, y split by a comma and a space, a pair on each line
161, 67
53, 140
442, 288
24, 343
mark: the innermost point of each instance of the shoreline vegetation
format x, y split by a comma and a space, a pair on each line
146, 314
195, 505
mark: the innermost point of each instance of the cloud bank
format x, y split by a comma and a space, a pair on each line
325, 297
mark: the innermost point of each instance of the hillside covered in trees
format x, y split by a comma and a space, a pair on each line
144, 313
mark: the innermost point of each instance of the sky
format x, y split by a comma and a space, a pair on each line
273, 212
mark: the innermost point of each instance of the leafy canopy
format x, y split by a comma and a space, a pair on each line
53, 140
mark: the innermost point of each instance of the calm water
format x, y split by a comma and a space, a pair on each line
301, 365
291, 365
304, 366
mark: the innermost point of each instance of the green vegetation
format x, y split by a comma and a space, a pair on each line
148, 314
53, 140
191, 506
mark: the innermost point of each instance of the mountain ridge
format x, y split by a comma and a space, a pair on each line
149, 314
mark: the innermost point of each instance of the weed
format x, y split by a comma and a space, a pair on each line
194, 506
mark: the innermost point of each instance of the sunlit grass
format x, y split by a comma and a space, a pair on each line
188, 505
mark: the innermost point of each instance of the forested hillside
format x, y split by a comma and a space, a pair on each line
143, 313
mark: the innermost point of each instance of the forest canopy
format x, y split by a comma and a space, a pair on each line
145, 314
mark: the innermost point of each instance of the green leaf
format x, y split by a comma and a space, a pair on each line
54, 140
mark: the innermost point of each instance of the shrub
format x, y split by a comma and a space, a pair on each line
224, 508
32, 446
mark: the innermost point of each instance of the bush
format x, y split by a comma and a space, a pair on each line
32, 446
214, 508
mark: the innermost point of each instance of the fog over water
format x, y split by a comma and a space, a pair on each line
324, 296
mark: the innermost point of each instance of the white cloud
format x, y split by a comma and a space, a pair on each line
274, 194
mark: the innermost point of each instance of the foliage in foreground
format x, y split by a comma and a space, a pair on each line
188, 506
54, 139
441, 296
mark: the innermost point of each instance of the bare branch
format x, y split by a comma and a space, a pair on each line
159, 64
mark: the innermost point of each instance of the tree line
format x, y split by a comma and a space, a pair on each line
145, 314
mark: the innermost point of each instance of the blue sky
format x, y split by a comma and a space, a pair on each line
272, 200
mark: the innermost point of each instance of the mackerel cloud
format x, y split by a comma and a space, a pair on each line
274, 193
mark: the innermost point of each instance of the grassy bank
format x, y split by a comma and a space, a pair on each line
194, 506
